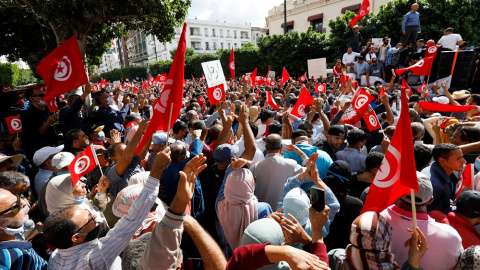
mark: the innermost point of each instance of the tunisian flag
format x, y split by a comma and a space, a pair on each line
14, 124
216, 93
304, 99
432, 50
382, 92
253, 78
397, 173
437, 107
285, 77
405, 87
63, 69
271, 101
303, 78
83, 163
422, 67
52, 105
361, 100
231, 64
364, 9
371, 120
320, 88
163, 77
465, 180
167, 105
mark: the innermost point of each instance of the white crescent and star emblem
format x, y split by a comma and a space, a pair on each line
373, 120
420, 63
217, 93
16, 124
432, 49
82, 164
389, 171
301, 110
320, 88
63, 70
360, 101
162, 78
232, 65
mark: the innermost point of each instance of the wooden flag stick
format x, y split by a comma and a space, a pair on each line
414, 209
96, 159
169, 122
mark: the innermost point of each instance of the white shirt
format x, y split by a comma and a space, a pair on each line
370, 56
241, 148
444, 242
450, 41
349, 58
271, 175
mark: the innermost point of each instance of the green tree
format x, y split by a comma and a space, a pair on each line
49, 23
188, 53
26, 76
9, 74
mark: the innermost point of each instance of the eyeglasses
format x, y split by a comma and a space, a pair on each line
14, 208
90, 220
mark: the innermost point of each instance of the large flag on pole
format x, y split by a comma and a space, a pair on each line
304, 99
421, 68
63, 69
285, 77
432, 50
364, 10
166, 108
231, 65
397, 173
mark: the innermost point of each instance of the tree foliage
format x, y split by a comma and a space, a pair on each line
26, 77
131, 73
9, 74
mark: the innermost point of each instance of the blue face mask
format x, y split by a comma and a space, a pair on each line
79, 199
42, 103
60, 173
101, 135
181, 111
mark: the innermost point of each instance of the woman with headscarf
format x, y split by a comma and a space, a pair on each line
338, 177
470, 259
369, 246
237, 207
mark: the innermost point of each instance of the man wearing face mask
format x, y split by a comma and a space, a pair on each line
70, 116
13, 214
356, 139
37, 123
43, 160
108, 116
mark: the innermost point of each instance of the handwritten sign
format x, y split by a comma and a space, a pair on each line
214, 73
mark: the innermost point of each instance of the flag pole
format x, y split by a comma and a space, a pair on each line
96, 159
169, 122
414, 209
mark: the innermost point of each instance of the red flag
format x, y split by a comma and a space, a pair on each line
405, 87
267, 78
397, 173
422, 67
465, 180
231, 65
63, 69
167, 106
303, 78
259, 80
437, 107
95, 87
273, 82
371, 120
420, 89
364, 10
257, 96
201, 100
285, 77
246, 77
382, 92
103, 83
271, 101
193, 78
304, 99
83, 163
253, 78
14, 124
216, 93
320, 88
361, 100
355, 85
113, 43
432, 50
52, 105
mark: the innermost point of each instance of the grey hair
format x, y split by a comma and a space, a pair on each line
418, 130
9, 179
190, 114
134, 251
273, 142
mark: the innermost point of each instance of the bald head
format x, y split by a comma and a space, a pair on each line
273, 142
178, 152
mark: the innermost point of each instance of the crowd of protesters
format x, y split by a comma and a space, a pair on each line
228, 187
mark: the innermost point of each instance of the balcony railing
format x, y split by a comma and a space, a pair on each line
196, 34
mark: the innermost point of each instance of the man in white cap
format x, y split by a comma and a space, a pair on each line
43, 160
60, 162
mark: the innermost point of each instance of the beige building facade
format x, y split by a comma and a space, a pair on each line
302, 14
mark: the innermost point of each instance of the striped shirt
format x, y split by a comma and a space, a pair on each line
20, 255
103, 253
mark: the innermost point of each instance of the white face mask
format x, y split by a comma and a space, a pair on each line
110, 101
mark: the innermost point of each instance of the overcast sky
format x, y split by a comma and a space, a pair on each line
232, 11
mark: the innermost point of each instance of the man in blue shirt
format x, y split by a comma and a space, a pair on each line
109, 117
362, 68
411, 24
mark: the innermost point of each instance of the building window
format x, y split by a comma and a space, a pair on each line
228, 34
213, 33
317, 25
221, 33
206, 32
207, 46
214, 46
221, 45
235, 45
229, 46
235, 34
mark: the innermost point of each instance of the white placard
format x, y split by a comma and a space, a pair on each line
271, 74
214, 73
116, 83
379, 41
317, 68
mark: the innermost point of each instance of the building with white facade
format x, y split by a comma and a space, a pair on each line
110, 61
302, 14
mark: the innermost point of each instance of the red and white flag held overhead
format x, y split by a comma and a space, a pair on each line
163, 77
432, 50
271, 101
201, 100
14, 124
303, 78
421, 68
52, 105
166, 108
246, 77
320, 88
364, 10
285, 77
361, 101
253, 78
231, 64
382, 92
304, 99
83, 163
465, 180
272, 82
397, 173
63, 69
420, 89
371, 120
216, 93
405, 87
103, 83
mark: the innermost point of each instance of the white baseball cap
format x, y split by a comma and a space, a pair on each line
43, 153
62, 160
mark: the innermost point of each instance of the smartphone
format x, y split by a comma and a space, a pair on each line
318, 198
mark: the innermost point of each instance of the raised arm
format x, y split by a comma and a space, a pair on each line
129, 152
